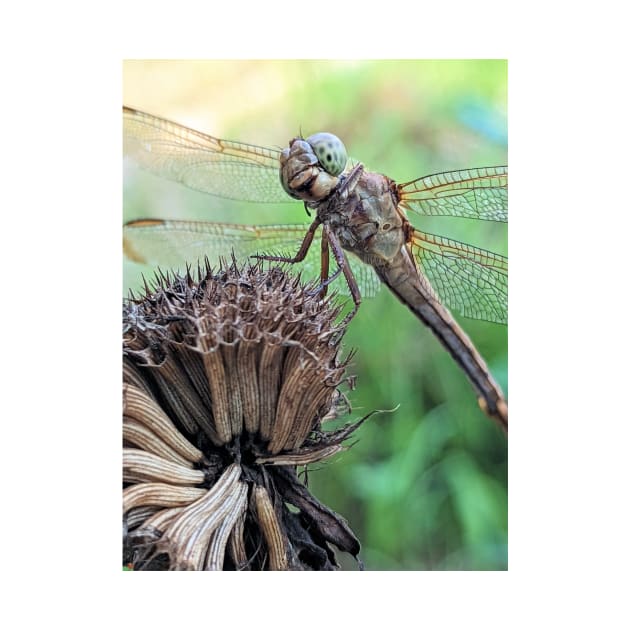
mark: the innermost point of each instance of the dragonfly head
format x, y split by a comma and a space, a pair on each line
309, 168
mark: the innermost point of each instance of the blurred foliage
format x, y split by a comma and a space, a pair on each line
425, 486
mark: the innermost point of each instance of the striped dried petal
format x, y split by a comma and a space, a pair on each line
270, 374
149, 467
152, 529
141, 436
215, 372
160, 494
302, 459
207, 504
236, 544
139, 515
138, 406
216, 552
186, 539
160, 520
271, 529
247, 365
235, 402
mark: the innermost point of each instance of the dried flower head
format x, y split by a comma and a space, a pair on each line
227, 381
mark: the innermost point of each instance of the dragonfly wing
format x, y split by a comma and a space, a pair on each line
220, 167
470, 280
475, 193
173, 244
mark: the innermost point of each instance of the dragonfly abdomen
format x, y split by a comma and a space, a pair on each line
413, 291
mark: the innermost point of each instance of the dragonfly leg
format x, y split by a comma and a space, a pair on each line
325, 260
304, 247
325, 279
344, 266
321, 289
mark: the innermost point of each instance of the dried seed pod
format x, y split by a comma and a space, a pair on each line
227, 380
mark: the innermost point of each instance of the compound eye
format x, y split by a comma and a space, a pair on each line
329, 151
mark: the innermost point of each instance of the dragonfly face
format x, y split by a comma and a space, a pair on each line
309, 168
359, 212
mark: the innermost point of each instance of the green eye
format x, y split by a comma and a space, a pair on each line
329, 151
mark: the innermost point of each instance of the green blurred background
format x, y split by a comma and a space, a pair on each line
424, 487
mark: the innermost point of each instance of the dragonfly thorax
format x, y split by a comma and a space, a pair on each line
363, 212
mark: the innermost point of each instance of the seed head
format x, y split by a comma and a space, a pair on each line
227, 381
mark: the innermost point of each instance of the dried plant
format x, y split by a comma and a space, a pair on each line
228, 380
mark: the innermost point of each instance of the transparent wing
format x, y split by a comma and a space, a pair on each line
474, 193
470, 280
172, 244
227, 169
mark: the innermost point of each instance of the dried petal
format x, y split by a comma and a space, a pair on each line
161, 494
142, 437
216, 553
302, 459
236, 543
186, 539
139, 406
271, 529
149, 467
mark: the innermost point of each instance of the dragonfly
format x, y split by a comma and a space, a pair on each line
364, 223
